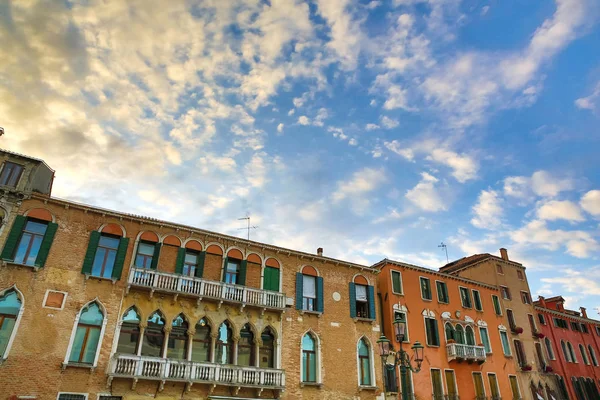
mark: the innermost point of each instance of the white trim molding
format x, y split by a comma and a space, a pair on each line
74, 330
17, 320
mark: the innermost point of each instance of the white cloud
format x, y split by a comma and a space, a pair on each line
585, 282
322, 115
363, 181
397, 98
590, 202
406, 152
464, 167
591, 102
485, 9
280, 128
372, 127
554, 210
353, 142
541, 184
389, 123
488, 210
303, 120
425, 195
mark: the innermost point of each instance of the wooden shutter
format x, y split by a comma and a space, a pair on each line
40, 260
271, 279
8, 252
225, 268
155, 256
352, 293
371, 298
396, 282
319, 294
435, 332
180, 260
299, 281
90, 254
120, 258
243, 271
200, 266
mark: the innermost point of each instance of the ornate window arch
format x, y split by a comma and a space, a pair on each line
459, 334
365, 362
450, 332
86, 336
129, 332
267, 353
177, 344
154, 335
310, 358
224, 351
202, 341
11, 311
246, 347
469, 336
549, 349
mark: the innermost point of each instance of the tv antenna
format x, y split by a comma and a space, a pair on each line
247, 217
443, 246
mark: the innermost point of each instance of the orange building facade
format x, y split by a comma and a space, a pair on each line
459, 322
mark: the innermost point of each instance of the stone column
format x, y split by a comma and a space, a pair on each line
190, 334
213, 345
167, 331
143, 326
236, 340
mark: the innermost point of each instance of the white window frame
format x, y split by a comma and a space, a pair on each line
455, 382
461, 299
17, 320
551, 355
499, 305
509, 298
480, 299
480, 325
482, 380
502, 329
543, 317
55, 291
74, 330
518, 386
534, 322
497, 384
107, 395
421, 289
318, 380
442, 377
528, 297
447, 292
406, 334
584, 355
572, 353
425, 318
79, 394
392, 271
593, 357
371, 364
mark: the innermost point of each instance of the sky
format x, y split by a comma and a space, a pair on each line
372, 129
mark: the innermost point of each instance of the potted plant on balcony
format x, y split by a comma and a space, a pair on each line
518, 330
539, 335
526, 368
548, 369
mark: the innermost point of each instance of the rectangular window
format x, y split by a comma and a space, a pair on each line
499, 269
11, 173
497, 308
520, 274
505, 343
584, 328
494, 389
402, 317
425, 288
477, 300
106, 254
309, 293
542, 319
145, 253
30, 242
442, 292
451, 384
560, 323
514, 387
532, 323
232, 271
505, 292
190, 263
511, 319
485, 339
397, 282
362, 302
575, 326
525, 298
479, 388
465, 297
431, 331
110, 398
597, 330
437, 385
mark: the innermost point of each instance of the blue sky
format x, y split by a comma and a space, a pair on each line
370, 128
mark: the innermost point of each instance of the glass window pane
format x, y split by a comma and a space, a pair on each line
309, 286
10, 303
91, 315
131, 316
91, 346
22, 248
146, 249
36, 227
366, 372
110, 242
128, 339
34, 249
312, 376
308, 343
191, 258
363, 349
153, 342
485, 339
5, 331
98, 261
77, 344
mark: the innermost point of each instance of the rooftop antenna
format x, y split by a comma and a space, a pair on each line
247, 217
443, 246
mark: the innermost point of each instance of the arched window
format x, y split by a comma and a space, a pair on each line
593, 355
470, 336
246, 347
129, 335
87, 335
364, 362
267, 349
449, 331
201, 344
584, 355
459, 334
571, 352
178, 339
10, 306
154, 336
549, 349
309, 358
224, 351
565, 351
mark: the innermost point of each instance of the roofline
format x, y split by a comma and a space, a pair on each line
144, 219
432, 271
488, 256
567, 315
28, 157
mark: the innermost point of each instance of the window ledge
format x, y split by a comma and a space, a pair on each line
313, 384
361, 387
91, 367
362, 319
317, 313
35, 268
100, 278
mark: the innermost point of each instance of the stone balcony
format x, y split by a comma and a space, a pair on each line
200, 289
465, 352
189, 372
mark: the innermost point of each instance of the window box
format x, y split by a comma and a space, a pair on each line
548, 369
517, 329
539, 335
526, 368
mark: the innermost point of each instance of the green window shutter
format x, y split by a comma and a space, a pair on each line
271, 279
266, 278
179, 261
243, 271
40, 260
200, 266
90, 254
436, 334
120, 258
371, 298
299, 281
319, 294
352, 293
396, 282
225, 268
8, 252
155, 256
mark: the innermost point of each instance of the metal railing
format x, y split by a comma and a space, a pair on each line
202, 288
458, 351
165, 369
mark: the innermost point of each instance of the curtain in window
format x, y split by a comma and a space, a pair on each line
129, 335
361, 293
10, 304
87, 335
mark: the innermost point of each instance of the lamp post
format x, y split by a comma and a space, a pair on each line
401, 357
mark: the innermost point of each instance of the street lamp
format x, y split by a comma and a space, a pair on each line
401, 357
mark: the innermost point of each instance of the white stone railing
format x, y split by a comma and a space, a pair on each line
202, 288
465, 352
165, 369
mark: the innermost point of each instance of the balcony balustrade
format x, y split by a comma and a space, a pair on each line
200, 288
165, 369
466, 352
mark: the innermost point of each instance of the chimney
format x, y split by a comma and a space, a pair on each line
583, 312
542, 301
320, 252
560, 306
504, 254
